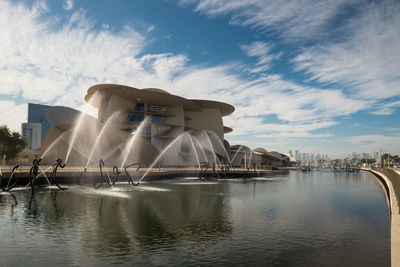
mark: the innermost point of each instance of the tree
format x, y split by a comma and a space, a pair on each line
389, 158
11, 143
367, 161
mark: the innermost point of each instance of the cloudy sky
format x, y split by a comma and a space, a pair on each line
313, 75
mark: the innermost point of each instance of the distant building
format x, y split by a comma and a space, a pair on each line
32, 133
296, 155
365, 155
35, 130
243, 157
37, 114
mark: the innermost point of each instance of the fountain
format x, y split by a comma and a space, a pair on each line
200, 146
220, 143
166, 149
162, 154
210, 145
78, 127
100, 135
51, 146
129, 144
194, 148
234, 156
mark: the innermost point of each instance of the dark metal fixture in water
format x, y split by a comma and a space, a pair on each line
203, 170
54, 173
9, 186
129, 177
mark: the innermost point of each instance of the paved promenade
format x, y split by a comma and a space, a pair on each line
391, 180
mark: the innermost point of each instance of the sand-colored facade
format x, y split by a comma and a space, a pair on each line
163, 118
138, 125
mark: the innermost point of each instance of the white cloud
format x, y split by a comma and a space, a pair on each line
293, 19
386, 108
13, 114
291, 102
367, 61
46, 64
364, 59
391, 144
68, 4
256, 125
262, 51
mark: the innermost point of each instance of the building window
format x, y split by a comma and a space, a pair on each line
146, 131
133, 116
157, 119
155, 108
139, 107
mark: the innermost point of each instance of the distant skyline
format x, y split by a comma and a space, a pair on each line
308, 75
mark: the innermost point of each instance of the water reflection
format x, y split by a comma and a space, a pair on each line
150, 220
313, 219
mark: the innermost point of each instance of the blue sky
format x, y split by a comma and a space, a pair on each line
317, 76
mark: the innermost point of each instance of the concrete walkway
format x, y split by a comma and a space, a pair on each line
391, 180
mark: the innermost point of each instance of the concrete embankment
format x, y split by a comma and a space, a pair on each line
391, 180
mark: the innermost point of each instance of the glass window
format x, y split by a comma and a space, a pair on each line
155, 108
146, 131
139, 107
157, 119
133, 116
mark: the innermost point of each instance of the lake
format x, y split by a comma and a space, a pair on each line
317, 218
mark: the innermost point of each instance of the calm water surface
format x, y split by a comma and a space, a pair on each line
300, 219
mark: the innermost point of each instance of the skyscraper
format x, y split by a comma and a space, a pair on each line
32, 133
37, 127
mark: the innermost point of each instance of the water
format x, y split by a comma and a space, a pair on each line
301, 219
83, 119
105, 126
162, 153
128, 146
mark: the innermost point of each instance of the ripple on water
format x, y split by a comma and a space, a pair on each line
269, 179
118, 191
139, 188
101, 191
196, 183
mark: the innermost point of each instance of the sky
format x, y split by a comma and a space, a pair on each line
317, 76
